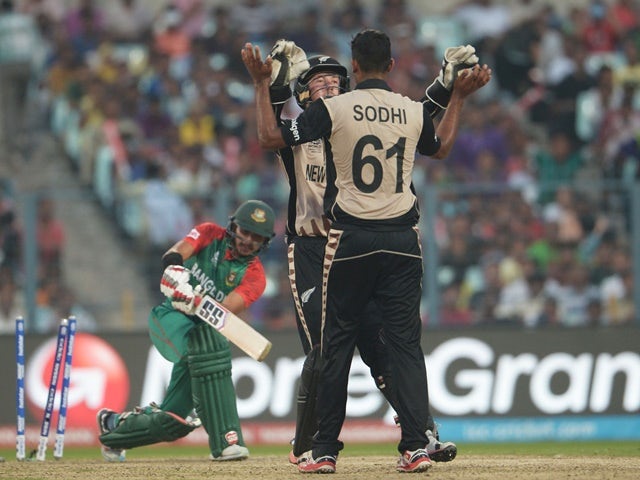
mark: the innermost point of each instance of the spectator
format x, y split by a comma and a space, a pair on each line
153, 120
550, 316
85, 27
617, 291
20, 43
11, 301
51, 236
616, 143
62, 304
225, 43
599, 35
564, 94
592, 104
194, 17
533, 308
595, 314
174, 102
624, 16
628, 74
562, 210
128, 20
483, 301
85, 16
476, 135
254, 20
10, 239
452, 312
556, 165
307, 35
169, 39
44, 11
496, 21
517, 56
574, 296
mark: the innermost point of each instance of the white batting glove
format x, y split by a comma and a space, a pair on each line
183, 299
172, 277
456, 59
289, 62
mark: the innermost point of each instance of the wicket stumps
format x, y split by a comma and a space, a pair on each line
64, 347
20, 437
64, 394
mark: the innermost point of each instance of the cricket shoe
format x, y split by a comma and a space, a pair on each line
324, 464
106, 422
440, 451
413, 461
232, 452
296, 460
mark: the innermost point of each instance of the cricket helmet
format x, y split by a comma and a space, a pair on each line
319, 63
255, 216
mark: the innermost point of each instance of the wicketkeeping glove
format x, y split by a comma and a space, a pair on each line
456, 59
172, 277
289, 62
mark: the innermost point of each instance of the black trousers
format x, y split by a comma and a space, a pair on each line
306, 260
386, 267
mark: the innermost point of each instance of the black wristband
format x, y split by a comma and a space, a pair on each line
279, 94
171, 258
436, 99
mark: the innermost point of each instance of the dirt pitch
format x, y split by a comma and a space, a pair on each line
353, 467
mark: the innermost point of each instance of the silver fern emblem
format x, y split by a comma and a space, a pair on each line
304, 298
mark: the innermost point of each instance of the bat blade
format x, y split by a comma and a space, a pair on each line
236, 330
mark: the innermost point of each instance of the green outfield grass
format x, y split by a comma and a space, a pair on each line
600, 448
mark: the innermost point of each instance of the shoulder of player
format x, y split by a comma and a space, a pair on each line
255, 266
207, 232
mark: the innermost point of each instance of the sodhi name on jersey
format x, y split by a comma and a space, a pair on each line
379, 114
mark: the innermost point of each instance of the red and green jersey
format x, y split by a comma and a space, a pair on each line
213, 267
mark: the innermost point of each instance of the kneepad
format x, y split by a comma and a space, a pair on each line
145, 426
214, 396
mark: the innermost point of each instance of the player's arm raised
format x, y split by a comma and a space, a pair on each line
438, 94
467, 82
269, 134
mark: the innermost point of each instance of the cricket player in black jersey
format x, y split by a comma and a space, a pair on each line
307, 228
373, 248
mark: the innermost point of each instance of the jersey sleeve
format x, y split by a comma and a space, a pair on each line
202, 235
253, 283
312, 124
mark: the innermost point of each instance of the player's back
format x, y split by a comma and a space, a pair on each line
373, 144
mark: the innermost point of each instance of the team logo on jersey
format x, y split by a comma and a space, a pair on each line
259, 215
314, 146
195, 234
230, 281
306, 295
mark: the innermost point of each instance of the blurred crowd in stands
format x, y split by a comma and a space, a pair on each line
155, 111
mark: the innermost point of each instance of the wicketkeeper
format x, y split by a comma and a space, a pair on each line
223, 263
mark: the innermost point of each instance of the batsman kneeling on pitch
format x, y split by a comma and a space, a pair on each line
222, 265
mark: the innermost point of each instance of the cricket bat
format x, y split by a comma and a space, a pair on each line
236, 330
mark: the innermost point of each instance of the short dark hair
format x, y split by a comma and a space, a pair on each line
372, 50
